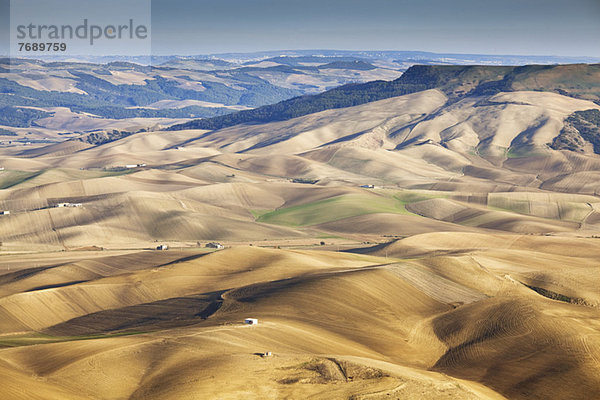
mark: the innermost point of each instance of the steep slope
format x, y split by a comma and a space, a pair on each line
495, 138
456, 81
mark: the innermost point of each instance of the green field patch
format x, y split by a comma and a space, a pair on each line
259, 213
333, 209
409, 196
9, 179
505, 204
524, 152
115, 172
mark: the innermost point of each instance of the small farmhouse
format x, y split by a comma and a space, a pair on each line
61, 205
130, 166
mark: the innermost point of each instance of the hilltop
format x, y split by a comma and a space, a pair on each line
579, 81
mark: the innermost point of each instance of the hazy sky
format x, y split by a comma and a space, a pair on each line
527, 27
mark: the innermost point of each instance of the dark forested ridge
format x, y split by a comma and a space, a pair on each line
343, 96
20, 117
123, 90
576, 80
580, 128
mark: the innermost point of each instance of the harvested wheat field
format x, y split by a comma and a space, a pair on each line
432, 245
473, 322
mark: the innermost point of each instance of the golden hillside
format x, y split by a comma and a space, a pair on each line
408, 248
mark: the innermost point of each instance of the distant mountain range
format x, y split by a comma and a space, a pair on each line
135, 96
408, 57
54, 100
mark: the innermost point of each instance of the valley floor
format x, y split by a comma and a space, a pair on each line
398, 321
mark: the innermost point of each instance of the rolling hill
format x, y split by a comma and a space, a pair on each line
51, 101
580, 81
433, 237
